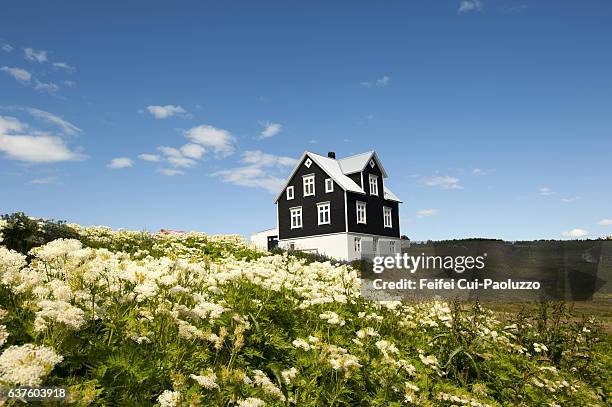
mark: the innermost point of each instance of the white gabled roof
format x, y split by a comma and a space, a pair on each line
390, 196
332, 168
357, 163
337, 170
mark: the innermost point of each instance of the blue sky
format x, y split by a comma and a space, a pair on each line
492, 118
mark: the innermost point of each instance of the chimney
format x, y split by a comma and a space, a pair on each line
331, 154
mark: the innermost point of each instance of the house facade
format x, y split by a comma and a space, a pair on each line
338, 207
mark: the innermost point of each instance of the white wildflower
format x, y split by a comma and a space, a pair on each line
169, 398
288, 375
251, 402
60, 312
3, 335
301, 344
261, 379
27, 365
209, 381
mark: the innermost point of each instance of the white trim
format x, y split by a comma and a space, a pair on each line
329, 185
373, 177
321, 211
345, 213
298, 211
307, 178
390, 211
308, 163
341, 233
292, 189
365, 212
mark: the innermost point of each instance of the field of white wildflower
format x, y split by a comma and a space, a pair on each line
131, 318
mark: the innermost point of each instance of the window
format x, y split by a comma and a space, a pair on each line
323, 213
357, 245
375, 245
387, 217
292, 246
361, 212
392, 247
372, 163
309, 187
296, 217
373, 184
308, 163
289, 193
329, 185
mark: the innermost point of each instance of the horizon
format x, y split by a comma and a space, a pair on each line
491, 118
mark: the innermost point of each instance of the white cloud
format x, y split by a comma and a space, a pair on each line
261, 159
65, 126
545, 191
37, 149
33, 55
469, 5
21, 75
571, 199
120, 162
605, 222
219, 140
150, 157
175, 157
194, 151
65, 66
49, 87
378, 83
170, 172
6, 47
42, 181
270, 130
70, 84
423, 213
257, 173
251, 176
575, 233
9, 124
480, 171
444, 182
163, 112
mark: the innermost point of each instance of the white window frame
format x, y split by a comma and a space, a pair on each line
329, 185
323, 208
357, 242
372, 163
365, 216
290, 193
387, 215
374, 183
295, 212
308, 163
308, 180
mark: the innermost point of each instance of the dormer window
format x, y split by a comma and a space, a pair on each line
329, 185
289, 193
309, 185
373, 185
